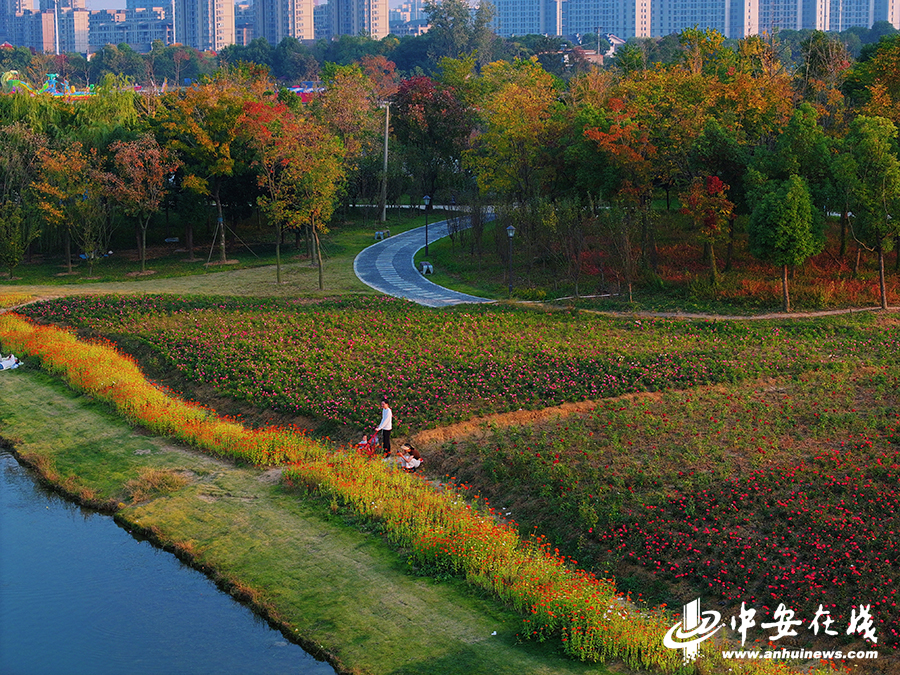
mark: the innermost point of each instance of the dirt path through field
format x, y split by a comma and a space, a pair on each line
480, 427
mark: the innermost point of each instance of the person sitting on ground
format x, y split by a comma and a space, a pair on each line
9, 362
367, 444
409, 457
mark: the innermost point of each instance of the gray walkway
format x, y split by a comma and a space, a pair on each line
388, 267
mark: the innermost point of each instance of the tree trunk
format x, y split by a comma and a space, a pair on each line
319, 257
729, 252
279, 233
189, 239
648, 241
220, 226
144, 245
67, 248
881, 285
786, 297
856, 264
843, 234
713, 270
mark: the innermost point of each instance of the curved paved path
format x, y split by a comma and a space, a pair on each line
387, 266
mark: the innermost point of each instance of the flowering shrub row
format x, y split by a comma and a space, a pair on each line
97, 369
440, 527
13, 299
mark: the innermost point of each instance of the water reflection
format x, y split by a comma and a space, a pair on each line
78, 594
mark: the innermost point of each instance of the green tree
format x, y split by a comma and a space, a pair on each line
292, 62
456, 30
781, 229
876, 188
19, 167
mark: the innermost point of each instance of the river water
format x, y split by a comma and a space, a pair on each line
78, 594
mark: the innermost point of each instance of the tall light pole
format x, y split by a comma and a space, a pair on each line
427, 201
510, 233
387, 122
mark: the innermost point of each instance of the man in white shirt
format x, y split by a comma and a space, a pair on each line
385, 426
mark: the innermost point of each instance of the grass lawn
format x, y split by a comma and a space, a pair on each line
251, 272
331, 587
680, 283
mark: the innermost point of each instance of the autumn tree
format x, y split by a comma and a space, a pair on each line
200, 127
781, 228
432, 126
509, 156
820, 76
626, 145
69, 195
700, 48
139, 182
299, 169
348, 109
874, 82
710, 211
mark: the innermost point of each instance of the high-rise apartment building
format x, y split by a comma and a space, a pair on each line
657, 18
204, 24
54, 29
359, 17
139, 28
277, 19
8, 11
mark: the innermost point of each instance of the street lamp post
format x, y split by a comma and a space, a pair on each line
427, 201
510, 232
387, 124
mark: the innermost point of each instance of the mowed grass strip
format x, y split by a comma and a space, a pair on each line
328, 585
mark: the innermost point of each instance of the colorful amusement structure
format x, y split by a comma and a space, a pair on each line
12, 84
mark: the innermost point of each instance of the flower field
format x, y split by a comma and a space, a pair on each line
335, 360
781, 492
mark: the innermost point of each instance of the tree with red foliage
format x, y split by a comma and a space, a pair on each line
433, 127
710, 211
142, 170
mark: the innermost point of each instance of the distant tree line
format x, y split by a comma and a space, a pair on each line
727, 132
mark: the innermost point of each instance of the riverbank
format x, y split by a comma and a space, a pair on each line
342, 594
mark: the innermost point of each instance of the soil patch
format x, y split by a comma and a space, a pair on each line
480, 427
